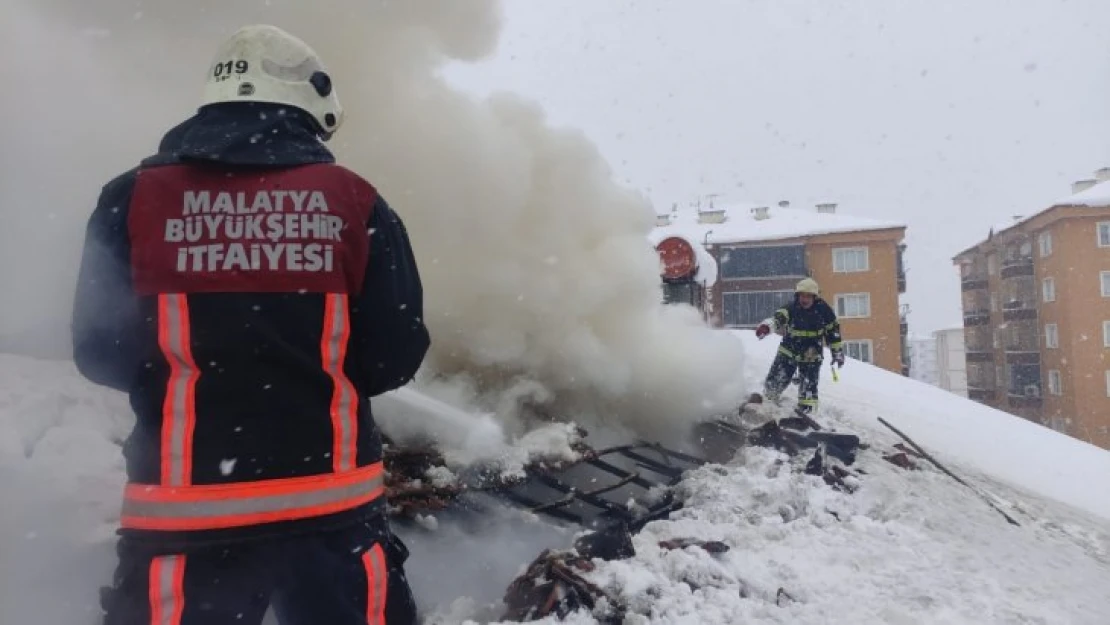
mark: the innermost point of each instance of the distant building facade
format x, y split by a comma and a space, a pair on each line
951, 363
739, 263
1036, 308
923, 360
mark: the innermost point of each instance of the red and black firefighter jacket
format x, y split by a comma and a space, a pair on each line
250, 295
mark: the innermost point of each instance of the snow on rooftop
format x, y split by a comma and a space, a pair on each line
1097, 196
741, 225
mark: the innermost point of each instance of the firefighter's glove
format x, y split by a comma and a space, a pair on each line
838, 357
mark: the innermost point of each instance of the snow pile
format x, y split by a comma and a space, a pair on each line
61, 478
907, 547
539, 282
1098, 196
1044, 462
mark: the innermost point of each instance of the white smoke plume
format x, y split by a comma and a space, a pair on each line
542, 290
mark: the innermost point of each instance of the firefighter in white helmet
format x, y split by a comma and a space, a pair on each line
251, 296
807, 324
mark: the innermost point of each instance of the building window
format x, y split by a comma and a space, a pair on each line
1048, 290
992, 264
1104, 234
1106, 333
1051, 336
853, 305
1054, 384
1025, 380
1108, 383
994, 302
859, 350
1104, 276
1044, 240
763, 262
751, 307
850, 259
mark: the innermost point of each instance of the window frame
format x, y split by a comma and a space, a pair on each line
858, 343
725, 264
839, 252
1106, 333
788, 293
1104, 283
843, 297
1044, 243
1045, 283
1055, 334
1100, 227
1055, 382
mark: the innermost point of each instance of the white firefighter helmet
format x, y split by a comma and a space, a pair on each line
808, 285
262, 63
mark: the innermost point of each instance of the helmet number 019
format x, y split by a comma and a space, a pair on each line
224, 71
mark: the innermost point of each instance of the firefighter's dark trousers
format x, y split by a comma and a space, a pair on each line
782, 372
353, 576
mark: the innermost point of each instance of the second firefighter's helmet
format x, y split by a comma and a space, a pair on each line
808, 285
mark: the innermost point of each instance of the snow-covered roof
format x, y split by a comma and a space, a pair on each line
740, 224
1097, 196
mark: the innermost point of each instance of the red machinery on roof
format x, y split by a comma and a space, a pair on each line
677, 258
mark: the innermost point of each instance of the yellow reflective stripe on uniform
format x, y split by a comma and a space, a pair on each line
831, 325
807, 333
808, 402
786, 352
837, 345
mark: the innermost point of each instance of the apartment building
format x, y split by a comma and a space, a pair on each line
1036, 306
738, 263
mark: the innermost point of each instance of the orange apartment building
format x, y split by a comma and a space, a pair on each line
1036, 306
739, 263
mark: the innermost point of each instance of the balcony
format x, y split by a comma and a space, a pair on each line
1018, 311
982, 394
1016, 356
974, 283
1028, 395
979, 356
901, 282
1017, 268
981, 317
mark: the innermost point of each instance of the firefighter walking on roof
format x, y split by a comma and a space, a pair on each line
807, 325
251, 295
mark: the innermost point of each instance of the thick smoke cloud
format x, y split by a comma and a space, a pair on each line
542, 292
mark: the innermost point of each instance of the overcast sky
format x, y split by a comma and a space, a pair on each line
949, 115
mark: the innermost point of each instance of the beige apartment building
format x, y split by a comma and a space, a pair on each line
739, 263
1036, 307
